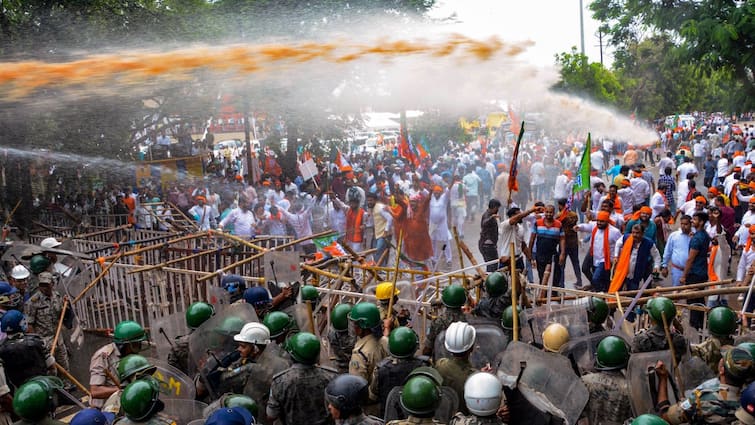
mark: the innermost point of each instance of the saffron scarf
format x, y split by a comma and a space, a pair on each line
622, 266
606, 246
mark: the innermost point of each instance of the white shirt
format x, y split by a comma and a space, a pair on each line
745, 261
596, 160
438, 219
657, 204
685, 168
641, 189
508, 233
243, 222
723, 167
598, 256
664, 163
562, 187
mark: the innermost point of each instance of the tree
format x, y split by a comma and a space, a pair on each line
592, 80
714, 35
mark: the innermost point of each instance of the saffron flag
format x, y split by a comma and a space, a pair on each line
405, 148
514, 127
514, 170
329, 246
582, 182
341, 161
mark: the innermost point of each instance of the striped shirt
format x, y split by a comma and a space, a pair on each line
670, 186
548, 237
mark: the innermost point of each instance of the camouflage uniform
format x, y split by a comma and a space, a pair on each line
461, 419
46, 421
106, 358
361, 419
710, 402
492, 308
43, 313
113, 404
609, 398
383, 308
414, 421
744, 418
179, 353
367, 353
158, 419
341, 345
440, 324
710, 350
654, 339
455, 371
297, 395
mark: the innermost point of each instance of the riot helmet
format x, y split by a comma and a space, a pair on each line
402, 342
482, 394
140, 399
420, 396
278, 323
613, 353
339, 317
39, 263
661, 305
253, 333
366, 315
507, 317
347, 393
496, 284
554, 336
460, 337
198, 313
453, 296
13, 321
257, 296
385, 290
597, 310
304, 347
309, 293
722, 321
132, 365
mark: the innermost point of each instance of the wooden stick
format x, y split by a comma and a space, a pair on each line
96, 279
514, 302
329, 275
676, 288
157, 246
191, 222
461, 255
174, 261
239, 240
102, 232
258, 255
13, 211
59, 328
395, 272
580, 292
73, 380
49, 229
468, 253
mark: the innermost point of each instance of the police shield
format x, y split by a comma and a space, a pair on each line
448, 406
173, 382
165, 330
211, 346
271, 362
183, 411
490, 340
581, 351
643, 381
546, 380
574, 317
302, 315
694, 371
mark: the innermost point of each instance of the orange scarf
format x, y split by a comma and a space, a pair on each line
733, 197
711, 263
563, 215
748, 243
622, 266
606, 246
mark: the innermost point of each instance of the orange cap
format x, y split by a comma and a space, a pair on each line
646, 210
701, 199
604, 216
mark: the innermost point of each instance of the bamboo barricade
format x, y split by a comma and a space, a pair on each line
355, 256
370, 297
175, 260
649, 291
49, 229
237, 239
399, 244
102, 232
54, 345
191, 221
425, 273
73, 380
461, 256
96, 279
260, 254
10, 216
325, 273
157, 246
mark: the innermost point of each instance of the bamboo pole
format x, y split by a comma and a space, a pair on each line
59, 328
73, 380
324, 273
96, 279
395, 272
412, 271
580, 293
102, 232
191, 222
10, 216
676, 288
49, 229
175, 260
237, 239
514, 301
260, 254
157, 246
461, 256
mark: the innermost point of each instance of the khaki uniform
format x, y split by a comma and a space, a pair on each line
461, 419
104, 359
43, 313
113, 404
158, 419
297, 395
710, 402
710, 351
743, 418
383, 308
455, 371
609, 398
367, 353
411, 420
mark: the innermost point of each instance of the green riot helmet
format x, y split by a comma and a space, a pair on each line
597, 310
366, 315
132, 365
278, 323
39, 263
428, 372
304, 347
613, 353
309, 293
749, 346
507, 317
661, 305
140, 401
648, 419
198, 313
402, 342
33, 401
231, 326
496, 284
129, 331
722, 321
347, 393
453, 296
420, 396
339, 317
241, 400
738, 363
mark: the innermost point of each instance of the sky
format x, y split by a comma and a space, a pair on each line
553, 25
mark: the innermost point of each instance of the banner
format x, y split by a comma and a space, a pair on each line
582, 181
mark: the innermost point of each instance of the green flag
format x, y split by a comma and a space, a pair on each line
583, 175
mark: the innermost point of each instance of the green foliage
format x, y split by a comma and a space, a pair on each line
436, 129
592, 80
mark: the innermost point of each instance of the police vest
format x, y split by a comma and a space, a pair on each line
23, 357
391, 373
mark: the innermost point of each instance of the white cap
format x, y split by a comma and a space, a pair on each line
253, 333
19, 272
49, 243
459, 337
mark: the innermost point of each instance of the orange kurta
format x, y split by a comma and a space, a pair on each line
417, 245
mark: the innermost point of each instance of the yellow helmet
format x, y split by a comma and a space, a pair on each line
383, 291
554, 336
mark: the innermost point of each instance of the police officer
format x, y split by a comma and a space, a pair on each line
419, 399
297, 395
384, 292
196, 314
309, 293
259, 298
608, 387
34, 403
280, 325
392, 370
597, 313
128, 338
714, 401
482, 395
43, 312
19, 278
555, 336
746, 412
130, 368
368, 349
648, 419
722, 323
654, 338
141, 404
24, 355
231, 416
92, 416
453, 297
231, 400
496, 297
459, 341
235, 285
252, 340
10, 298
37, 264
340, 340
345, 396
507, 321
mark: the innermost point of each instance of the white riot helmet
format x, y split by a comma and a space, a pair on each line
460, 337
20, 272
253, 333
482, 394
50, 243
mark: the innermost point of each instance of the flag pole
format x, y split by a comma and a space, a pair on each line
513, 170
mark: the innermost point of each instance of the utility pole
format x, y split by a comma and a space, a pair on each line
600, 45
582, 26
